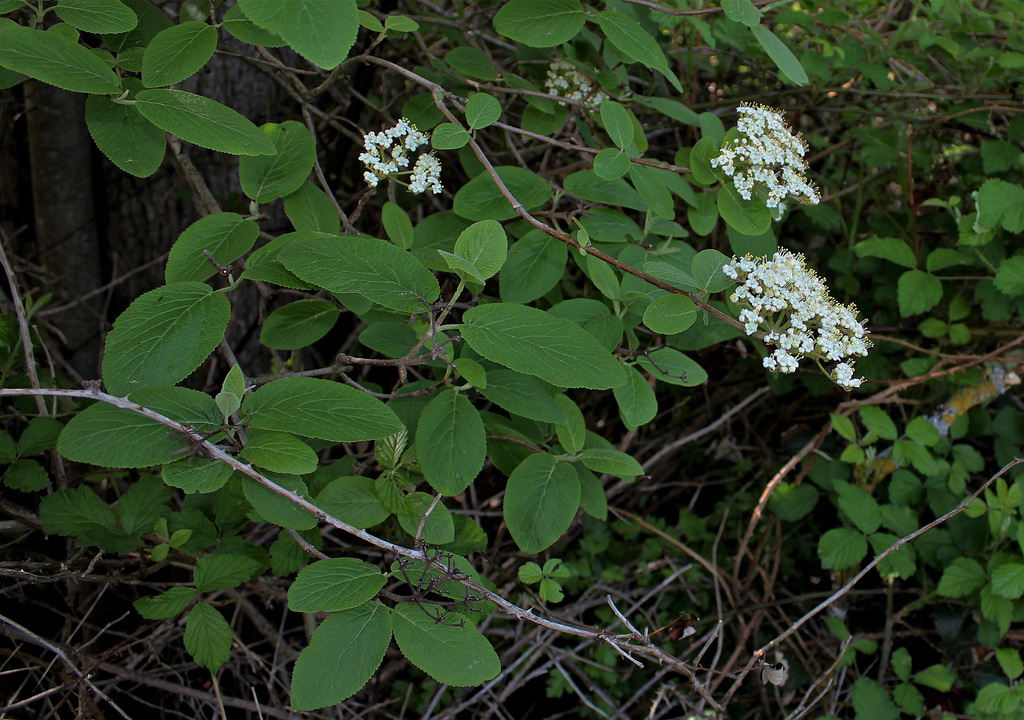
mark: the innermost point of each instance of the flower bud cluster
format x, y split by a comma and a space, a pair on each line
563, 80
767, 155
388, 153
792, 305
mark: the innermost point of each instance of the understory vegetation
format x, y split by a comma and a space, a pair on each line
629, 359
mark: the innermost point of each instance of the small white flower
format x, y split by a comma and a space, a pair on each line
387, 155
767, 156
792, 306
563, 80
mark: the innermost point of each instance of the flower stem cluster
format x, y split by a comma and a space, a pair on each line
563, 80
792, 305
767, 156
387, 153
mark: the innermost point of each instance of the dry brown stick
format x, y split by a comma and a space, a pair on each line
760, 653
19, 311
26, 634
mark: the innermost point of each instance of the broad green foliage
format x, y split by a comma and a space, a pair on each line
455, 380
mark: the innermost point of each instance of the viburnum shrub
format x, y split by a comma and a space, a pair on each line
377, 444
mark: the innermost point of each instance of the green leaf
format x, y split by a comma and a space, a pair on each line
540, 23
140, 507
1010, 662
1010, 276
121, 133
673, 367
530, 573
482, 110
56, 60
653, 190
97, 16
701, 155
334, 584
322, 31
268, 177
918, 292
611, 163
841, 548
999, 203
373, 268
908, 452
353, 500
862, 509
343, 655
535, 264
630, 39
280, 452
844, 426
637, 402
452, 652
309, 209
397, 225
613, 462
320, 409
870, 700
163, 336
961, 577
39, 435
208, 637
165, 605
26, 476
223, 571
537, 343
618, 123
75, 512
449, 136
703, 216
450, 442
196, 475
749, 217
226, 235
400, 23
439, 528
706, 271
236, 23
888, 248
480, 199
471, 62
877, 421
1008, 580
109, 436
782, 56
541, 499
572, 429
923, 432
523, 395
793, 502
996, 699
203, 122
742, 11
937, 677
178, 53
298, 324
481, 250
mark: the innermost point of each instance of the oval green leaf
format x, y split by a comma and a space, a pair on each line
178, 53
163, 336
373, 268
453, 652
203, 121
320, 409
56, 60
268, 177
537, 343
541, 499
298, 324
227, 236
450, 442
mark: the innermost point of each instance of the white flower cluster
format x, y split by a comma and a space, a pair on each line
792, 304
766, 154
563, 80
387, 153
